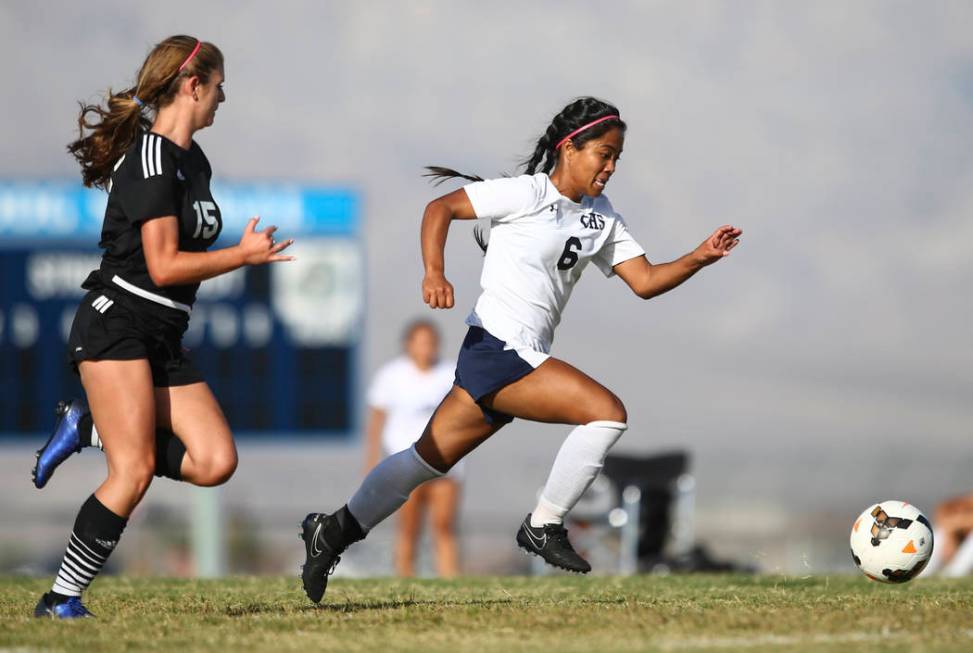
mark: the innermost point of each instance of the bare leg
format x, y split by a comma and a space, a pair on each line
122, 403
443, 500
409, 531
559, 393
123, 406
193, 414
456, 428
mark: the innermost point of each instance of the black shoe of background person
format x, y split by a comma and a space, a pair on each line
550, 542
325, 539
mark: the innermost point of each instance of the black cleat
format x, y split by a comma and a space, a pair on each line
550, 542
325, 539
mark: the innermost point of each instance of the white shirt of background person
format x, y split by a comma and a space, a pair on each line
405, 396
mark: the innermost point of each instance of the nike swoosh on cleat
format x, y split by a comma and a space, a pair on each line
540, 544
315, 550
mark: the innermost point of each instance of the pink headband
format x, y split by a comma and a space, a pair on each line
190, 57
582, 128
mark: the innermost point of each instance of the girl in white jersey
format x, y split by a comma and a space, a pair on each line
546, 226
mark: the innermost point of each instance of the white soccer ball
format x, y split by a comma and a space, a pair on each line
891, 542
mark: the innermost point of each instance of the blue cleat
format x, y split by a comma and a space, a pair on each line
70, 609
63, 442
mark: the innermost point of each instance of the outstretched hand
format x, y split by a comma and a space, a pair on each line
260, 246
718, 245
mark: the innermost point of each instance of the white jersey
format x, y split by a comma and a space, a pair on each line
540, 243
408, 396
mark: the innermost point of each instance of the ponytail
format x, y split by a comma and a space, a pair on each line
439, 175
113, 128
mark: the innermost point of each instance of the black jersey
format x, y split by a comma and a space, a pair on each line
156, 178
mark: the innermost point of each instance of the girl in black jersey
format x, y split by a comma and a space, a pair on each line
150, 409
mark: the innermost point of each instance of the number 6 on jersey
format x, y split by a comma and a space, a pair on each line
569, 257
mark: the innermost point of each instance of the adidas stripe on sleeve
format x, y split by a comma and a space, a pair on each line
150, 191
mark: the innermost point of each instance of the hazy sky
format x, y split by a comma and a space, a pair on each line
837, 134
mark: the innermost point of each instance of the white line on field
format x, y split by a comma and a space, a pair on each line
782, 640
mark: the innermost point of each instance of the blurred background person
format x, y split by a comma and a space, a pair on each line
953, 552
403, 396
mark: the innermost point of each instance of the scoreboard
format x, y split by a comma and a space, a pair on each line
276, 343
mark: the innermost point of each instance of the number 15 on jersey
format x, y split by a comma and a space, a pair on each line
205, 219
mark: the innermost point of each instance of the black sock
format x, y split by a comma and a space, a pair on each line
351, 530
55, 598
169, 452
96, 532
169, 449
84, 429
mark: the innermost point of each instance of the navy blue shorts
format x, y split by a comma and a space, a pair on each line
484, 366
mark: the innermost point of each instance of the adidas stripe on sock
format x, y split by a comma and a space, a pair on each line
96, 532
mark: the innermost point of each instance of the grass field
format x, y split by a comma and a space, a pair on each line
558, 614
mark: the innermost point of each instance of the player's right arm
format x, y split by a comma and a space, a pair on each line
170, 266
500, 200
436, 290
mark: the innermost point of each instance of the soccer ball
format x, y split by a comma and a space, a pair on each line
891, 542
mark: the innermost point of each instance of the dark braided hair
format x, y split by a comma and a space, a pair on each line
578, 113
544, 157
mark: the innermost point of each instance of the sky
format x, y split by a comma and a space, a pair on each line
828, 352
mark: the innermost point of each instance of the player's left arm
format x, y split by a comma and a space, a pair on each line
647, 280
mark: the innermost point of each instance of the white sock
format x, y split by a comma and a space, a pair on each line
577, 464
95, 440
388, 486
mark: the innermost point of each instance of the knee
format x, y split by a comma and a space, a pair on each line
433, 456
442, 526
608, 408
135, 475
617, 412
216, 469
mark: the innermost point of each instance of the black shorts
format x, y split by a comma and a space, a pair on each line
484, 365
109, 325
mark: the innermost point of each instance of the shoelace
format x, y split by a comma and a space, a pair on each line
559, 534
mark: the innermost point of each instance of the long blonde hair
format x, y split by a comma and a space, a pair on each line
116, 125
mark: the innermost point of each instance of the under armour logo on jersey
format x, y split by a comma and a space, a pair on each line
592, 221
151, 155
102, 304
